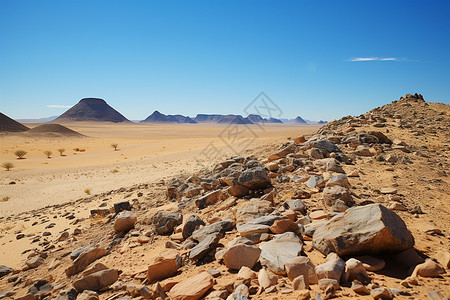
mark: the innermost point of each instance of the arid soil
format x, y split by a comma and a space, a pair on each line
257, 213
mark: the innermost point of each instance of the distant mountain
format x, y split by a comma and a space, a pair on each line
40, 120
258, 119
298, 120
234, 119
9, 125
273, 120
205, 118
91, 109
323, 122
157, 117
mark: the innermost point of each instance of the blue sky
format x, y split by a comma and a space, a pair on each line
189, 57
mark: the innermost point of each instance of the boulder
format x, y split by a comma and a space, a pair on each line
209, 199
247, 229
4, 270
277, 252
266, 278
255, 209
292, 148
193, 223
333, 268
381, 293
429, 268
315, 181
368, 229
324, 144
192, 288
354, 269
301, 266
88, 295
164, 266
340, 179
323, 283
85, 258
34, 261
295, 205
300, 283
284, 225
96, 281
255, 178
246, 273
217, 227
165, 223
241, 255
443, 257
124, 221
204, 246
332, 194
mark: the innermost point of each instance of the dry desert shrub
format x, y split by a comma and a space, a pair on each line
87, 191
48, 153
4, 199
61, 151
20, 154
8, 166
115, 146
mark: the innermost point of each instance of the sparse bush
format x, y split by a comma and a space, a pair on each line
114, 171
380, 158
20, 154
4, 199
8, 166
48, 153
61, 151
115, 146
87, 191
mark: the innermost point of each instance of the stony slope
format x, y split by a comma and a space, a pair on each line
359, 209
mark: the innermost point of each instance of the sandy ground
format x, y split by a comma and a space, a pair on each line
146, 152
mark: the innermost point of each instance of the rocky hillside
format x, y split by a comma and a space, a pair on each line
359, 209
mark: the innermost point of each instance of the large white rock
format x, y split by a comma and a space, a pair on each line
368, 229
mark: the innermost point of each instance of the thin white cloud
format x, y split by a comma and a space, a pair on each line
59, 106
376, 59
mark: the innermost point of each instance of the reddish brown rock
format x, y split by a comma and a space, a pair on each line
192, 288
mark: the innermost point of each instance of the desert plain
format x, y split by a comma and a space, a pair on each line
356, 208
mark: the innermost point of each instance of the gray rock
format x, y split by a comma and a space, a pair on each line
247, 229
325, 145
89, 255
218, 227
34, 261
267, 220
166, 222
295, 205
368, 229
325, 282
206, 245
256, 208
381, 293
315, 181
193, 222
340, 179
255, 178
4, 270
277, 252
